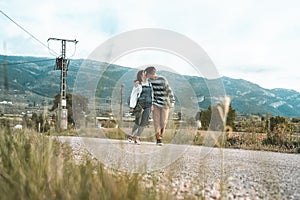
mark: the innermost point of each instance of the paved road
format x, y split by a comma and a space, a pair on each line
203, 171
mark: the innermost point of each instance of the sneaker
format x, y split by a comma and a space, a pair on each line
159, 142
129, 138
137, 141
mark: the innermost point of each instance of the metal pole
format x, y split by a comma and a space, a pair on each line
121, 106
63, 87
63, 111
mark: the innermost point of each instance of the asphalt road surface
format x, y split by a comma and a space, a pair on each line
197, 171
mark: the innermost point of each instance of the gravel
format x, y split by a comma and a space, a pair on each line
198, 172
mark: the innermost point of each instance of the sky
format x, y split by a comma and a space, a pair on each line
255, 40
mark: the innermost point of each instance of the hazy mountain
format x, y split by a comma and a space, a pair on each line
251, 98
34, 79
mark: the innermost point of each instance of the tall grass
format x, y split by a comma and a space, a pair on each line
34, 166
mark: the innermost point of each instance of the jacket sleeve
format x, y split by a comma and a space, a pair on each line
135, 94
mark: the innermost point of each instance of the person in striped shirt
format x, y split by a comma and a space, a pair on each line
163, 100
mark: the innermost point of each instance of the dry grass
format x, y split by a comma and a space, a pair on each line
34, 166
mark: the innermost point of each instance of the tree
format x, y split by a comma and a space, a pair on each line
206, 118
231, 117
279, 133
275, 121
77, 107
34, 120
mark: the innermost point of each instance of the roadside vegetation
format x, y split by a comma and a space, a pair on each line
36, 166
274, 134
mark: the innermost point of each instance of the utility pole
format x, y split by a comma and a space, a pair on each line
62, 64
5, 70
121, 106
5, 77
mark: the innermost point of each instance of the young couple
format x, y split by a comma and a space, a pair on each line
150, 93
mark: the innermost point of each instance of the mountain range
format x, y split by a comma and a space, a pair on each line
27, 79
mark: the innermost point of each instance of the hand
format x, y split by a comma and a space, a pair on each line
136, 83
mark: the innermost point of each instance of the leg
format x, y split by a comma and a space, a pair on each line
156, 120
137, 121
164, 120
144, 121
134, 128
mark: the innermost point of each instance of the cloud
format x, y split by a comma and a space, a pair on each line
262, 36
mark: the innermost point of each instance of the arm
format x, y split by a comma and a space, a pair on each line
152, 92
135, 94
169, 92
152, 95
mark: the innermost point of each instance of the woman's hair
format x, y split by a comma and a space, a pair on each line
139, 75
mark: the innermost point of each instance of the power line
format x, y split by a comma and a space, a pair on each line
31, 35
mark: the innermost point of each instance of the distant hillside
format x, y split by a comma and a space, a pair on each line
34, 79
251, 98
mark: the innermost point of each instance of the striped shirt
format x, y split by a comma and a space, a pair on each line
162, 92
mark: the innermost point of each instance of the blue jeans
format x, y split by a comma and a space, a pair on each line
141, 120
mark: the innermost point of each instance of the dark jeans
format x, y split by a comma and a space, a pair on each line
141, 120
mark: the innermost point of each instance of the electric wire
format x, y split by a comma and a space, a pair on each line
31, 35
53, 54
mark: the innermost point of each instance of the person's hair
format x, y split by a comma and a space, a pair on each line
150, 70
139, 75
